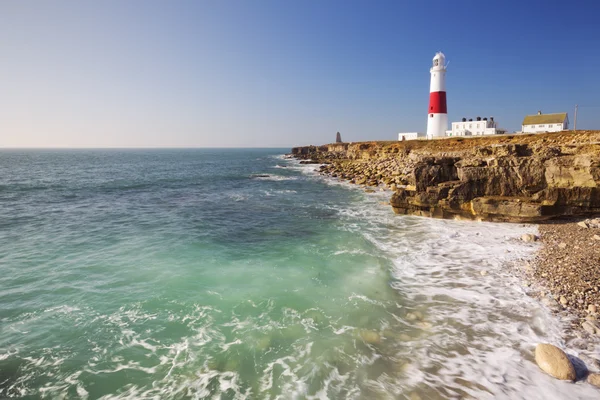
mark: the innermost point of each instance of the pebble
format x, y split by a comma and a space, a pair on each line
483, 273
411, 316
370, 337
554, 362
592, 308
589, 327
582, 224
562, 245
596, 237
594, 379
548, 302
529, 237
563, 300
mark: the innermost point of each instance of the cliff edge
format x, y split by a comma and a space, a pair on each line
515, 178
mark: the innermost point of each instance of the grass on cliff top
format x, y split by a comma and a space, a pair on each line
458, 143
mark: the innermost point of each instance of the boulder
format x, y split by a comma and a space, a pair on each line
554, 362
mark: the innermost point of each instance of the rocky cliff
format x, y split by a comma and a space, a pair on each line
518, 178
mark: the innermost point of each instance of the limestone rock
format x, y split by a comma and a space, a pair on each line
370, 337
411, 316
528, 178
554, 362
563, 300
594, 379
529, 237
588, 327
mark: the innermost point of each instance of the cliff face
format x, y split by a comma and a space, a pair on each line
520, 178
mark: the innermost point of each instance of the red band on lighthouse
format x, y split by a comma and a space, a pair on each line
437, 103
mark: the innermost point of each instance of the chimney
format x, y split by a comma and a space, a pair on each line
539, 113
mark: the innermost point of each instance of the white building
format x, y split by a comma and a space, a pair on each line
410, 135
545, 123
481, 126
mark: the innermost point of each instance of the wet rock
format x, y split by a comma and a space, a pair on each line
529, 237
593, 223
554, 362
263, 343
594, 379
411, 316
563, 300
424, 325
370, 337
405, 337
588, 327
548, 302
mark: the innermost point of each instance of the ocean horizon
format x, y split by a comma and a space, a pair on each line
238, 273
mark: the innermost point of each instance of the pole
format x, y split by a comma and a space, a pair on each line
575, 123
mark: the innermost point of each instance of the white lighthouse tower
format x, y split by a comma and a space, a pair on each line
437, 118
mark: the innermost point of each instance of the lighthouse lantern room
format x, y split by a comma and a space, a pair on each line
437, 118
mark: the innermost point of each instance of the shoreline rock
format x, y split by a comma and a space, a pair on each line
567, 265
554, 362
516, 178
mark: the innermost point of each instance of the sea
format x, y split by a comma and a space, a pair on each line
243, 274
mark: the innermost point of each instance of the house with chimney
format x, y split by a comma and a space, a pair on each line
545, 123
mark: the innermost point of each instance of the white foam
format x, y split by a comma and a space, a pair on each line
275, 178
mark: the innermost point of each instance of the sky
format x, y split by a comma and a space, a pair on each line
256, 73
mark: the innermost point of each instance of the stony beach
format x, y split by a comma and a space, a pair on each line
567, 270
549, 179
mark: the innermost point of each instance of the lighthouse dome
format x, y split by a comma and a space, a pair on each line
439, 60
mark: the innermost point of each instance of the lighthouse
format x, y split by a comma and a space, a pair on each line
437, 118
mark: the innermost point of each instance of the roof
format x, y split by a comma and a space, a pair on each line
557, 118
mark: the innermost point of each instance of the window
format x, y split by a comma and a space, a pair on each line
542, 126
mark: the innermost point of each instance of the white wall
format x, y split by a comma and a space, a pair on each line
472, 128
410, 135
545, 127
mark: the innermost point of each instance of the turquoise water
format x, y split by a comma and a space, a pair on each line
241, 274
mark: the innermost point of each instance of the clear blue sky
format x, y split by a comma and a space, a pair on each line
253, 73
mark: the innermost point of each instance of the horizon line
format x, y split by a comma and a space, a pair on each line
136, 147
